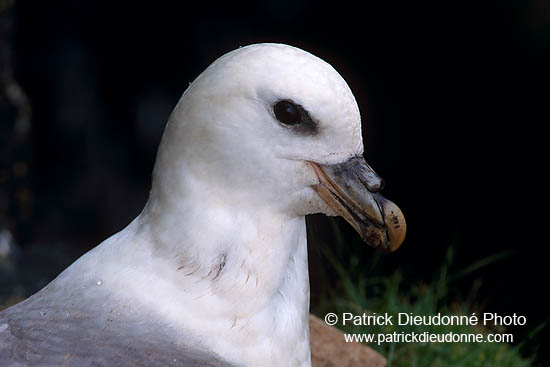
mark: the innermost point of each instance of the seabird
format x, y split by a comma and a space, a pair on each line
213, 271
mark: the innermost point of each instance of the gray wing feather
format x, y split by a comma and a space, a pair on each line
53, 328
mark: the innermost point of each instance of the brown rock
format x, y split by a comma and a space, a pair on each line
329, 349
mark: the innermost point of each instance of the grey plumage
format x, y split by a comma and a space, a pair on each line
87, 326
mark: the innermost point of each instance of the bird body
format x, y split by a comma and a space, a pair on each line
214, 271
114, 303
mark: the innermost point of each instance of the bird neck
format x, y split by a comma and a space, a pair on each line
242, 269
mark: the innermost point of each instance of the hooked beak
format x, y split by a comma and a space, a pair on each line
351, 190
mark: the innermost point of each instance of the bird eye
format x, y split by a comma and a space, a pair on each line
295, 116
287, 112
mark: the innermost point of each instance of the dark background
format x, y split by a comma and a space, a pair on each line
454, 98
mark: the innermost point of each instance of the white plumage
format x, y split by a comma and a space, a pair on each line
215, 267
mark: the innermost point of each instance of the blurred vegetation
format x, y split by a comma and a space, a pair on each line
358, 292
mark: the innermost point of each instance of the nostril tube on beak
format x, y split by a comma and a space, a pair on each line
366, 175
373, 185
378, 187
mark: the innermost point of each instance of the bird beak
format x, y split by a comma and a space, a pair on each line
351, 190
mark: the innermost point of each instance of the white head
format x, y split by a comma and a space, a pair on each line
253, 127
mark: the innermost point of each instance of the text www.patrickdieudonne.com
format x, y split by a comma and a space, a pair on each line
410, 319
426, 337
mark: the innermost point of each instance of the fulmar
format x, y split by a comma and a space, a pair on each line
213, 271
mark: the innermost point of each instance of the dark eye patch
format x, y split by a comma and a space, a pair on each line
294, 116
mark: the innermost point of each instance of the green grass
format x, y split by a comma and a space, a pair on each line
358, 294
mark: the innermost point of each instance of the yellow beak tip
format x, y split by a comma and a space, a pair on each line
395, 223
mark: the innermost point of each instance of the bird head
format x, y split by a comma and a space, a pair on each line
272, 126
